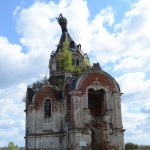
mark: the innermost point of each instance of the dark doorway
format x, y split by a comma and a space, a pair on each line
96, 102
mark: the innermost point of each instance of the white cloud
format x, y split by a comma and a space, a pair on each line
135, 125
12, 61
129, 45
135, 36
133, 82
135, 104
131, 64
12, 116
102, 41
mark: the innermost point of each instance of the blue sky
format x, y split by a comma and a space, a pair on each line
114, 33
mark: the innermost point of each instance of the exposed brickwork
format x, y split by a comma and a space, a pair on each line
96, 76
46, 92
66, 89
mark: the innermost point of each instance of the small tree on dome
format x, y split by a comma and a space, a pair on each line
65, 58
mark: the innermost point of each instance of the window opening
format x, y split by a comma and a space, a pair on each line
77, 62
47, 108
72, 44
96, 102
57, 65
73, 62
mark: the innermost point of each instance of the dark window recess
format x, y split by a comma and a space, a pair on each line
57, 65
96, 102
72, 44
77, 62
59, 94
47, 108
30, 94
73, 62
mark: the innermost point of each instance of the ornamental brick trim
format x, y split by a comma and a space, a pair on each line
103, 79
46, 92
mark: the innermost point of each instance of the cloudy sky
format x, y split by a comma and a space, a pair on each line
114, 33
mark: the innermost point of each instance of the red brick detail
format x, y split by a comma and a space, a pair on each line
46, 92
72, 119
66, 89
103, 79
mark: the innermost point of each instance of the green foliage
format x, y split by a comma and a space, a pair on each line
77, 71
86, 64
146, 147
11, 146
58, 84
65, 61
131, 146
65, 58
16, 147
35, 86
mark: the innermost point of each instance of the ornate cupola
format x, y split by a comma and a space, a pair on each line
68, 56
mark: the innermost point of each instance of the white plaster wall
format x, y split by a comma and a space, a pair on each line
31, 122
43, 142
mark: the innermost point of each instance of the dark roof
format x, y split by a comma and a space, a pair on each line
65, 35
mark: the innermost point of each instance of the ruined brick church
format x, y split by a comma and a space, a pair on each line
78, 108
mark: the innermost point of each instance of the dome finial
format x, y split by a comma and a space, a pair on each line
62, 22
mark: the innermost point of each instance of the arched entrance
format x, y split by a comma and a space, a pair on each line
98, 136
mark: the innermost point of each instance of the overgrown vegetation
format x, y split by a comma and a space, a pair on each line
12, 146
77, 71
35, 86
132, 146
58, 84
66, 64
65, 59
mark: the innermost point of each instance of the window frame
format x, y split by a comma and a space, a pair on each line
77, 62
48, 106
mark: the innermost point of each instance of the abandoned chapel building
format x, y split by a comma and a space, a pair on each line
78, 108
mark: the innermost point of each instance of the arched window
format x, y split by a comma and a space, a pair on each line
47, 108
77, 62
57, 65
96, 102
73, 62
72, 44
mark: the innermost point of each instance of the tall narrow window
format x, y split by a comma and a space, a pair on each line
77, 62
96, 102
73, 62
57, 65
47, 108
